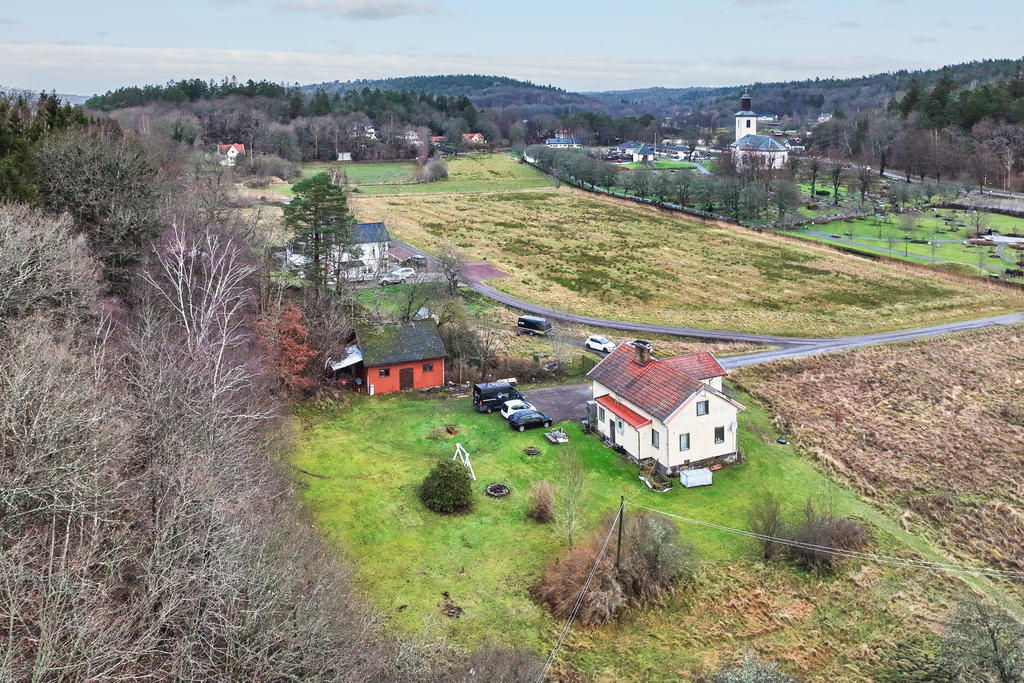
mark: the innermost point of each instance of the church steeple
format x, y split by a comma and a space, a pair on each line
746, 119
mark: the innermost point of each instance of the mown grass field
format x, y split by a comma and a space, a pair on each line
932, 430
575, 252
359, 473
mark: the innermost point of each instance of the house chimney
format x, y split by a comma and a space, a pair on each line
642, 351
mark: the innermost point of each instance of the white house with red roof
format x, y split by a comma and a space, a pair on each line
672, 410
474, 138
230, 153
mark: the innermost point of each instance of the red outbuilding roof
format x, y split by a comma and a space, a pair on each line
633, 418
700, 365
223, 149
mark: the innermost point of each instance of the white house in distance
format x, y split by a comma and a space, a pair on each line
371, 244
672, 410
230, 153
749, 146
563, 143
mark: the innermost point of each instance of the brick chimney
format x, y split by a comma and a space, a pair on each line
642, 351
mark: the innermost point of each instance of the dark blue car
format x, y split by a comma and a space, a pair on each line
522, 419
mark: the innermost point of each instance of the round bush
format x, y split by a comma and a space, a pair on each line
448, 488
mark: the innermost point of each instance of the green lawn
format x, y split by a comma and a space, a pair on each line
658, 165
359, 467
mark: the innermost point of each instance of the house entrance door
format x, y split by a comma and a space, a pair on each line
405, 378
611, 430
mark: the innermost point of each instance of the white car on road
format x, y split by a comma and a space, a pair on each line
514, 406
599, 343
397, 276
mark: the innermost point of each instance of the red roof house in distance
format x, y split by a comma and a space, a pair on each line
474, 138
671, 410
230, 153
400, 356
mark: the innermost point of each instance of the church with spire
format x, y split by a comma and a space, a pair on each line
751, 149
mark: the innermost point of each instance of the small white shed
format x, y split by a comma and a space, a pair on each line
698, 477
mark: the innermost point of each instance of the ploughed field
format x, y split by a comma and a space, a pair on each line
933, 430
576, 252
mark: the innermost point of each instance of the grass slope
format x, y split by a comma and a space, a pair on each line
614, 260
360, 474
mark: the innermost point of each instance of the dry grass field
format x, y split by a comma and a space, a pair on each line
589, 255
931, 430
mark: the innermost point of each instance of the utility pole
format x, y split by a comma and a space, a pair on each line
618, 546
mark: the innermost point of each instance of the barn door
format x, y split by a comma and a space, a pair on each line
405, 378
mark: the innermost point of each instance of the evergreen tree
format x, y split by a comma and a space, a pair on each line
322, 227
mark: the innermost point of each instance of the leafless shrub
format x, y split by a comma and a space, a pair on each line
561, 583
497, 665
653, 557
43, 265
542, 502
433, 170
765, 518
820, 526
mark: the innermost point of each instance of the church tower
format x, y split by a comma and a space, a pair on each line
746, 119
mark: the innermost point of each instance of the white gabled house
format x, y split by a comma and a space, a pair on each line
368, 258
672, 410
230, 153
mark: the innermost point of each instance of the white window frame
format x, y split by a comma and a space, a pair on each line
655, 439
722, 440
600, 414
681, 449
707, 407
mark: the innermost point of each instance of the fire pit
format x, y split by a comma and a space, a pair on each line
496, 490
531, 451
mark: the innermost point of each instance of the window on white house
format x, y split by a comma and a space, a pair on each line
655, 439
385, 372
600, 414
748, 123
619, 425
702, 407
719, 434
684, 442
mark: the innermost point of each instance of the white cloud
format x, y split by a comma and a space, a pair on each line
87, 69
372, 10
847, 23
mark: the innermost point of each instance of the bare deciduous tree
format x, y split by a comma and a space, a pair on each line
569, 510
452, 264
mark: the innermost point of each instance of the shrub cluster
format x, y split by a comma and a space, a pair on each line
653, 559
448, 488
818, 525
542, 502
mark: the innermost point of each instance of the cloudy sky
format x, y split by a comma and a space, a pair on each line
88, 47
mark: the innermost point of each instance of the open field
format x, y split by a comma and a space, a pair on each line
931, 430
584, 254
359, 473
658, 165
469, 173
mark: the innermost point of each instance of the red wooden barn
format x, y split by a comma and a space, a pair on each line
400, 356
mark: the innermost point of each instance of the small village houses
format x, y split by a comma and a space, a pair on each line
230, 153
671, 410
563, 143
474, 139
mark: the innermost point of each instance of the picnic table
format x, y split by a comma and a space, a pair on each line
557, 436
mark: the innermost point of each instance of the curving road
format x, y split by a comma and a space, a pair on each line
788, 347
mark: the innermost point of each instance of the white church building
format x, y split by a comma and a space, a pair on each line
769, 152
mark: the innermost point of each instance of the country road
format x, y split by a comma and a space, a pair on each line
790, 347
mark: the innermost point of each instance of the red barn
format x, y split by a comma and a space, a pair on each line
400, 356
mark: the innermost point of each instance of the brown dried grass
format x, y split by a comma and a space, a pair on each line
931, 428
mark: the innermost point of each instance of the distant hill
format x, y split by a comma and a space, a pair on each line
483, 91
800, 99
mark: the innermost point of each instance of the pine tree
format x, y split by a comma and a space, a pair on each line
322, 225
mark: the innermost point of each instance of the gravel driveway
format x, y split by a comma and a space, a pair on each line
564, 402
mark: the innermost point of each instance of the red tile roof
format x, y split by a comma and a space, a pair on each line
633, 418
223, 149
655, 387
700, 365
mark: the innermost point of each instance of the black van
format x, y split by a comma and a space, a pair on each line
489, 396
531, 324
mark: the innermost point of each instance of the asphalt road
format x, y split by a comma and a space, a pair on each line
789, 347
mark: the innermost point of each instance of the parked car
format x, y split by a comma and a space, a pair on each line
599, 343
514, 406
397, 276
489, 396
529, 418
531, 324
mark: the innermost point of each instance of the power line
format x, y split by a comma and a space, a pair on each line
871, 557
579, 601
